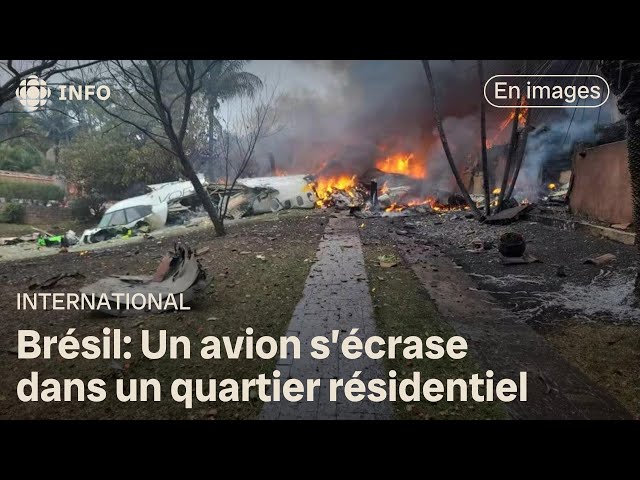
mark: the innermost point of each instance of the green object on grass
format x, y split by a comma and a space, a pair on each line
48, 241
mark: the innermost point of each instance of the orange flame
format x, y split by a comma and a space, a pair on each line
402, 163
429, 201
325, 186
522, 121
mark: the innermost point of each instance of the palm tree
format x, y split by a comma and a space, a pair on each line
483, 144
624, 78
445, 144
226, 80
57, 124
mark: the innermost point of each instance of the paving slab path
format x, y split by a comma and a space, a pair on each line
336, 297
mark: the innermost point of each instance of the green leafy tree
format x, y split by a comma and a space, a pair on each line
108, 164
19, 157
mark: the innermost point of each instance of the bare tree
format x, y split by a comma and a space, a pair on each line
483, 143
445, 144
513, 146
156, 97
520, 152
512, 153
12, 72
254, 118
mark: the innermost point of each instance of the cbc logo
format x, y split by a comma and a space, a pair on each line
33, 92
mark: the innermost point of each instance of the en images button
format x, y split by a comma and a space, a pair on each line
546, 91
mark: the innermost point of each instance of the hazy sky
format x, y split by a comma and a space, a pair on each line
298, 76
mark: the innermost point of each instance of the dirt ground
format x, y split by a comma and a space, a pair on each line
246, 291
584, 314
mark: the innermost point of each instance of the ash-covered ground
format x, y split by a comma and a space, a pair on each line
560, 287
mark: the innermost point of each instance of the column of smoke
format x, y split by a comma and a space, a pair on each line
384, 107
555, 140
380, 108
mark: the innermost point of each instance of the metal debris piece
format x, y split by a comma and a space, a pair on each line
523, 260
601, 260
51, 282
509, 215
621, 226
387, 261
178, 273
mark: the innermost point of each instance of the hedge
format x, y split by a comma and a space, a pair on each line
30, 191
13, 213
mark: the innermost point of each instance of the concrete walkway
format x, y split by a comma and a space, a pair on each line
336, 296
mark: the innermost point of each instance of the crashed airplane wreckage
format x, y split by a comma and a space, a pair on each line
374, 193
155, 209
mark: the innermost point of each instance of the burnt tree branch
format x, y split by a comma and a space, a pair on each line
483, 143
445, 144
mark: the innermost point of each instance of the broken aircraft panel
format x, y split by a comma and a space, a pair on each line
252, 196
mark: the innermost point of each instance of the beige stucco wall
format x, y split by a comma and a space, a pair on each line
601, 184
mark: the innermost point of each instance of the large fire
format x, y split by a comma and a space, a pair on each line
403, 163
325, 186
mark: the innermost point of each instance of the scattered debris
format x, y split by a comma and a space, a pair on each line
16, 240
178, 273
523, 260
477, 244
509, 215
387, 261
601, 260
51, 282
616, 340
558, 193
621, 226
201, 251
42, 231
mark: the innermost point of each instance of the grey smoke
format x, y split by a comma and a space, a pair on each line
375, 106
554, 142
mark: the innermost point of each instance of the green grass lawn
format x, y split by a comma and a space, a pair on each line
403, 307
